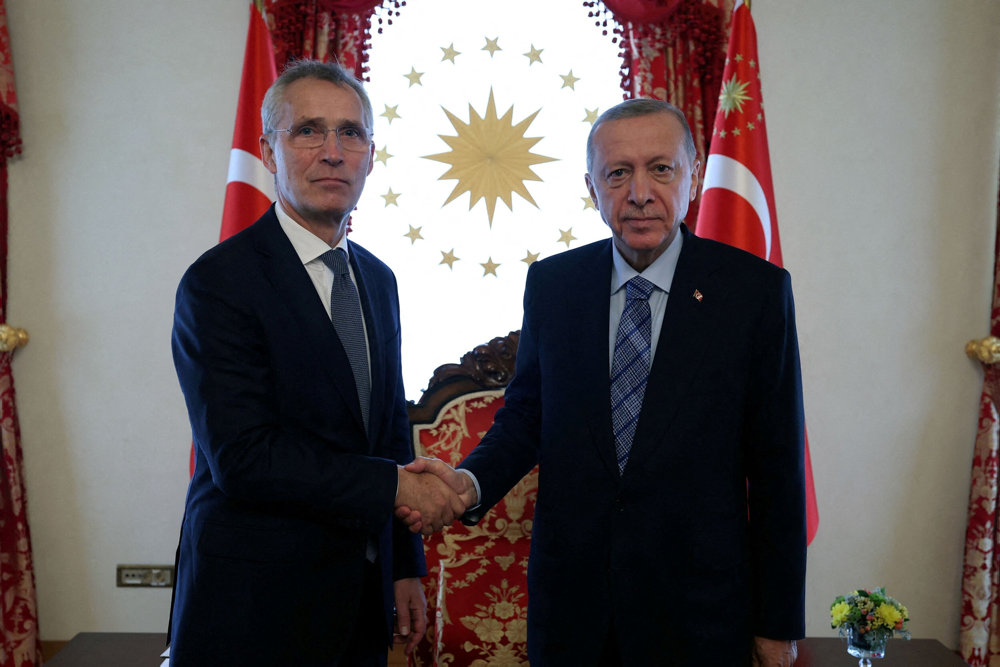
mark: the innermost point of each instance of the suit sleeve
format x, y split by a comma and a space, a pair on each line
238, 402
775, 433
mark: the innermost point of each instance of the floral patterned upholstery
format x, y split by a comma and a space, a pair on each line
477, 575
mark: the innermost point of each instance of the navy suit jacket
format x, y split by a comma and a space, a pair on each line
700, 544
288, 489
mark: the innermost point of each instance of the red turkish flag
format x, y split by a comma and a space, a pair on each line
737, 201
249, 186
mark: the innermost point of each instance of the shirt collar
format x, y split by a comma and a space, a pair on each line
660, 272
307, 245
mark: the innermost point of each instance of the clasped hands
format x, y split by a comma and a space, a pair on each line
431, 495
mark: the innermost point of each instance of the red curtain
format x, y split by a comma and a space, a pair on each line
21, 643
980, 639
672, 50
324, 30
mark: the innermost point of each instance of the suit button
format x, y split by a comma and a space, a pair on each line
619, 505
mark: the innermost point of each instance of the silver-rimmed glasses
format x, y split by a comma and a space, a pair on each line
312, 135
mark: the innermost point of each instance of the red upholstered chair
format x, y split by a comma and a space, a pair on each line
477, 575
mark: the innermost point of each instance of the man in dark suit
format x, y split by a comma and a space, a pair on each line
287, 347
658, 390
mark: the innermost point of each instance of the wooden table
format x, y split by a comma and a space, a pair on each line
131, 649
142, 649
103, 649
832, 652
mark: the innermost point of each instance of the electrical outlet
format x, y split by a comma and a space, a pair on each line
145, 576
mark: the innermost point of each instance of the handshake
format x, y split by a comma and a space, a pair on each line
431, 495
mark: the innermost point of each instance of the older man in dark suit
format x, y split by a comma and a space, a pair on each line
287, 346
658, 390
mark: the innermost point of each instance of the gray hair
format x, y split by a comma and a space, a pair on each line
311, 69
634, 108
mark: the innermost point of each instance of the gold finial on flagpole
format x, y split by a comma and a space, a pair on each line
12, 338
986, 350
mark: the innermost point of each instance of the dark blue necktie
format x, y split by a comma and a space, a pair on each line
630, 366
345, 310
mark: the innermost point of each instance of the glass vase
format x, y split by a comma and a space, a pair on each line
866, 646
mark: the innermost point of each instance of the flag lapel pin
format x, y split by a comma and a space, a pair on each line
698, 295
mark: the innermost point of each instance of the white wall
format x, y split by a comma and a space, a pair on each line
883, 120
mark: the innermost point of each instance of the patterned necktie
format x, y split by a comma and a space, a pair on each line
630, 366
345, 310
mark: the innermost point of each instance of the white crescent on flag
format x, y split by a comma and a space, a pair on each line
726, 173
248, 168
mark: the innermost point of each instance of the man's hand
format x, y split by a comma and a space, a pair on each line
411, 613
774, 652
426, 502
457, 481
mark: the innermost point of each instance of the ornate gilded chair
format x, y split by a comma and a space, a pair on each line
477, 575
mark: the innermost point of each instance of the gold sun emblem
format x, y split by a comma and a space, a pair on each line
734, 94
490, 158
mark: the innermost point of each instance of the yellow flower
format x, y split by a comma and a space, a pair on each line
838, 613
888, 614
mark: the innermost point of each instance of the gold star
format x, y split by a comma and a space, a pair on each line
530, 257
390, 113
591, 116
753, 63
489, 267
492, 46
450, 53
534, 55
414, 234
490, 157
739, 57
390, 198
383, 156
448, 258
751, 126
733, 95
414, 77
565, 236
736, 131
588, 203
569, 81
722, 134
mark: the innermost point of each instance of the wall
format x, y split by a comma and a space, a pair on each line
883, 121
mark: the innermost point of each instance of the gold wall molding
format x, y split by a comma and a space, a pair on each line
986, 350
12, 338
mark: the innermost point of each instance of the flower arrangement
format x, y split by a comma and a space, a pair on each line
869, 613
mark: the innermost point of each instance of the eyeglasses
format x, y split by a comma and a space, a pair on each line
350, 137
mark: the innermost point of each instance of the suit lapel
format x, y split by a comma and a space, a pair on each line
295, 291
588, 303
375, 325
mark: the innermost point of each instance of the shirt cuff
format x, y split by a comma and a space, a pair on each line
475, 483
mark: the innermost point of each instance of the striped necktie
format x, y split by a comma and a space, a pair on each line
630, 366
345, 310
